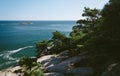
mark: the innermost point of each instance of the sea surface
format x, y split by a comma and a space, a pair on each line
18, 38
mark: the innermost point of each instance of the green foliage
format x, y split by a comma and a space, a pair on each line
57, 43
92, 18
104, 43
85, 29
27, 62
53, 46
35, 71
41, 47
30, 67
81, 32
106, 40
98, 35
58, 36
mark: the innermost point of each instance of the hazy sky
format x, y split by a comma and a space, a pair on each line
46, 9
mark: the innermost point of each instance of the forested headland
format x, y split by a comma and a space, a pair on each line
97, 37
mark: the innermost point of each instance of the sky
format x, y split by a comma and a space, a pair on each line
46, 9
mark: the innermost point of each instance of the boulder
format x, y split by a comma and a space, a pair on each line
64, 53
53, 74
11, 71
15, 68
52, 60
45, 59
8, 73
2, 73
64, 65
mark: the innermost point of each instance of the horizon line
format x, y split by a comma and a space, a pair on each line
38, 20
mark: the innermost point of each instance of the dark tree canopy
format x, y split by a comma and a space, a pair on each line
98, 35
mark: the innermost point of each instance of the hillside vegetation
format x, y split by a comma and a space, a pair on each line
97, 36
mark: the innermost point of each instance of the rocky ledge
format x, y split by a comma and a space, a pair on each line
62, 65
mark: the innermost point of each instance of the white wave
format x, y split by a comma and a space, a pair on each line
17, 50
1, 55
7, 63
8, 54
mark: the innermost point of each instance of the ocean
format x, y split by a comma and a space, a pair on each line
18, 38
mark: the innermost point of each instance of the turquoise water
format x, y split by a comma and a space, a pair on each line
18, 39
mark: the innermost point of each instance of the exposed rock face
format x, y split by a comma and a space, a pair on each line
52, 60
64, 53
15, 68
53, 74
64, 65
43, 59
56, 65
10, 72
61, 65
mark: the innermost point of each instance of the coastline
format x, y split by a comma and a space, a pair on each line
14, 36
54, 65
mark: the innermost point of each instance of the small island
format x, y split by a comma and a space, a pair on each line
25, 23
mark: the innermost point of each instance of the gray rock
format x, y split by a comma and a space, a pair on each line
45, 59
50, 60
8, 73
81, 71
64, 65
11, 72
53, 74
61, 64
64, 53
